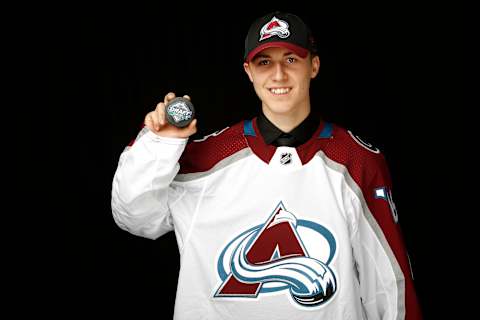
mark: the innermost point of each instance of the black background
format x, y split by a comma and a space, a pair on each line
389, 72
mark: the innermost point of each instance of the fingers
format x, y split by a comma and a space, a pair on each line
156, 120
169, 97
149, 121
160, 115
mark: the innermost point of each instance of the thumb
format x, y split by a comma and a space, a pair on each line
192, 126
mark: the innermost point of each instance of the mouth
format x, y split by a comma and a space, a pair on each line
280, 91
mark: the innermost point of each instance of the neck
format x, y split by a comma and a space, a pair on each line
287, 121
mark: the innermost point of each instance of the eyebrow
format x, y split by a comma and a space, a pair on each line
258, 56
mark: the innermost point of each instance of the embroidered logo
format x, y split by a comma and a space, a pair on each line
282, 254
274, 27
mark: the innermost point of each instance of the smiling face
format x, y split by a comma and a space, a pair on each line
282, 80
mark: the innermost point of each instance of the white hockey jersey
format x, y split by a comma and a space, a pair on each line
269, 232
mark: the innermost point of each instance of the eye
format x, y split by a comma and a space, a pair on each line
263, 62
291, 60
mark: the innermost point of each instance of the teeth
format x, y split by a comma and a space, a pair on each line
279, 90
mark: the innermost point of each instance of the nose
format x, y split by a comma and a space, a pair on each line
279, 73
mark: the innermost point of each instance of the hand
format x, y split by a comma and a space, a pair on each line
157, 122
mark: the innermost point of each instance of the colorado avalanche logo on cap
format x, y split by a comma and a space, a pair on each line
283, 254
274, 27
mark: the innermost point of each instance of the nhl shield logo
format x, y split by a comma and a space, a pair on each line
286, 158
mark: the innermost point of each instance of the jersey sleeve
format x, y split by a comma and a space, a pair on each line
142, 189
386, 283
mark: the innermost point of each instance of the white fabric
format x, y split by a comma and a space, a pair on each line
208, 213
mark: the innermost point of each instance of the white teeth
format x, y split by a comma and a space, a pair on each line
279, 90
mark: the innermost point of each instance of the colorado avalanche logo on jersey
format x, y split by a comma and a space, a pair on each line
274, 27
283, 254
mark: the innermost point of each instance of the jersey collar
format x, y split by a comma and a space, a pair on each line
299, 135
306, 151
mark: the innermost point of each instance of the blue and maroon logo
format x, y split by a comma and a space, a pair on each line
283, 254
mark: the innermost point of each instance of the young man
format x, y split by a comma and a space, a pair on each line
281, 217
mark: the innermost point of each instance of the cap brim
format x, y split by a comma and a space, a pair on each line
302, 52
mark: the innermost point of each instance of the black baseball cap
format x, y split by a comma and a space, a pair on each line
279, 29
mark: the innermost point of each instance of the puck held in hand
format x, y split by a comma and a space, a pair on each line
180, 112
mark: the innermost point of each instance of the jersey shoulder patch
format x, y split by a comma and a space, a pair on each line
361, 159
361, 142
216, 133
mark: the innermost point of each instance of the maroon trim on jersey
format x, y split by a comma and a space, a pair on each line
308, 150
382, 212
257, 144
369, 171
203, 155
305, 151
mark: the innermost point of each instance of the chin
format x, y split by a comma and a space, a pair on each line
279, 107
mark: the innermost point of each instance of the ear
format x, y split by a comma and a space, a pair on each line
246, 67
315, 66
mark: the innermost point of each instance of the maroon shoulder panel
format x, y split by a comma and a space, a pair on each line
202, 155
369, 169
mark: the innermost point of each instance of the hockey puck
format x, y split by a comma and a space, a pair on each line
180, 112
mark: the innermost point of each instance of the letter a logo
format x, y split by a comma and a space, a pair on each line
272, 257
